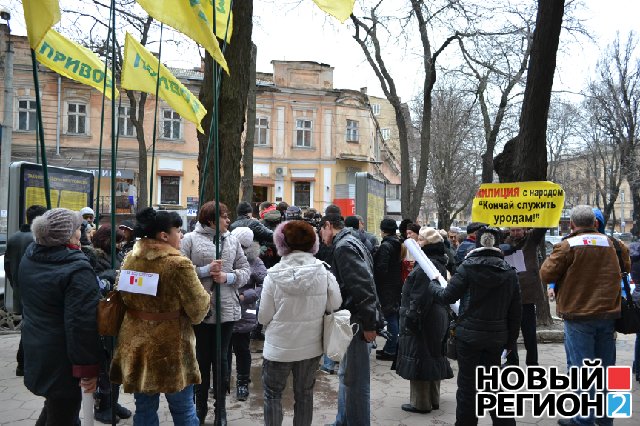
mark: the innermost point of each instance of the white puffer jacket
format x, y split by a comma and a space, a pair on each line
199, 246
295, 295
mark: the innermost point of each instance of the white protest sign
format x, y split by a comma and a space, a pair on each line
138, 282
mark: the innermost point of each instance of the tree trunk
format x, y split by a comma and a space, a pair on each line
233, 101
524, 157
249, 140
137, 119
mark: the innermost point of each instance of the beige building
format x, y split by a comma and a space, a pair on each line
311, 139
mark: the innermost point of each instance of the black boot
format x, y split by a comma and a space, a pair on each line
121, 411
202, 395
242, 387
102, 412
221, 413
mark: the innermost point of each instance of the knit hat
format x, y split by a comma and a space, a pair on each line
244, 235
127, 224
55, 227
388, 226
87, 210
267, 210
273, 216
475, 226
430, 235
293, 213
244, 207
352, 222
295, 235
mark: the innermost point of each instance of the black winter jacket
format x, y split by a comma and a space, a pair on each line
261, 233
387, 265
423, 325
16, 247
352, 265
487, 285
59, 328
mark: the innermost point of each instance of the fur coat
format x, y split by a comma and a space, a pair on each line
160, 356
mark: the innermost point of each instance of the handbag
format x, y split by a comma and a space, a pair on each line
450, 345
629, 321
111, 312
337, 332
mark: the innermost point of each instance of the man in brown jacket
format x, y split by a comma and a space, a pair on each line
586, 273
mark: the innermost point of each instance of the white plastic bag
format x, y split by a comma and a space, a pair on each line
337, 334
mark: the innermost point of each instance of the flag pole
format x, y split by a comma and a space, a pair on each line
155, 121
40, 133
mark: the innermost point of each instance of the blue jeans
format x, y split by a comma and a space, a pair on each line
181, 406
391, 347
354, 402
328, 363
590, 339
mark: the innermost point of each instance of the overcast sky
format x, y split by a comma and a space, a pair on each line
298, 30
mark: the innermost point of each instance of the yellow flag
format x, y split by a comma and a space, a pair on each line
40, 15
139, 71
73, 61
223, 8
190, 18
340, 9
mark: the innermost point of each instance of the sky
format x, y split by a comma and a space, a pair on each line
298, 30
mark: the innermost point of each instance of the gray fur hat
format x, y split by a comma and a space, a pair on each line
55, 227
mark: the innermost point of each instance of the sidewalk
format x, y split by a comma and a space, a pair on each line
388, 392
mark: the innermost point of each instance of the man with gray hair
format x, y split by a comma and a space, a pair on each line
586, 271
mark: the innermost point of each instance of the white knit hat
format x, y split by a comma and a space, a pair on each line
244, 235
430, 235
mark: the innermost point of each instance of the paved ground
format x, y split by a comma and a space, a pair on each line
388, 392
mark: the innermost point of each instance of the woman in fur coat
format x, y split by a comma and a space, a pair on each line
295, 295
156, 350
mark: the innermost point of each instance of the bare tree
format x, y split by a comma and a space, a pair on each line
249, 141
368, 36
563, 131
453, 175
616, 96
496, 63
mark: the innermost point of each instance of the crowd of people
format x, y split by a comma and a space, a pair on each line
277, 277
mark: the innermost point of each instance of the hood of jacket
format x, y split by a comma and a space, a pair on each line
55, 254
252, 252
486, 260
296, 273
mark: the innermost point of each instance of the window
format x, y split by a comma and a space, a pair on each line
376, 109
27, 115
125, 126
171, 124
262, 128
352, 131
303, 133
393, 192
77, 118
170, 190
302, 194
386, 134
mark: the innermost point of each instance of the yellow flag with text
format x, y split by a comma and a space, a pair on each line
190, 18
223, 14
139, 71
340, 9
40, 15
73, 61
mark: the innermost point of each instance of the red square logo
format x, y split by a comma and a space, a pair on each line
619, 378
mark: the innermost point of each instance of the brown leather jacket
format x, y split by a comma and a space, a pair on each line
587, 276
